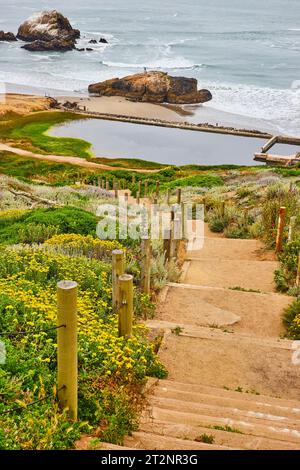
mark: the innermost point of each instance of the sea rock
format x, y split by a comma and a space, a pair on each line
7, 36
93, 41
153, 87
46, 26
61, 45
103, 41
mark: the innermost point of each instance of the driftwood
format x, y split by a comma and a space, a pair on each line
33, 197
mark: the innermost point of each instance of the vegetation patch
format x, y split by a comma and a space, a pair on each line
291, 319
30, 132
111, 369
38, 225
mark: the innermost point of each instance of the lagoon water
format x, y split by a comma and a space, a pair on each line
162, 145
246, 52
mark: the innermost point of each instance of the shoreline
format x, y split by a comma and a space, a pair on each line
194, 114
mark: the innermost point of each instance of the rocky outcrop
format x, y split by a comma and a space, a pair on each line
48, 27
103, 41
62, 45
153, 87
7, 36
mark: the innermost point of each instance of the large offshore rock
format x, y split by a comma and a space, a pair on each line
153, 87
46, 26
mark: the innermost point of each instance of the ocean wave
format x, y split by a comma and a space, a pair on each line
160, 64
280, 106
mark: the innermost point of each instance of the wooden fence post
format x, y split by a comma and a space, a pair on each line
67, 366
116, 189
183, 221
107, 185
157, 189
146, 188
280, 228
292, 227
167, 244
138, 197
298, 272
118, 268
140, 188
179, 196
146, 265
99, 183
168, 196
126, 305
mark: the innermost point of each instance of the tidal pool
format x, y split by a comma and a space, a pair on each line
162, 145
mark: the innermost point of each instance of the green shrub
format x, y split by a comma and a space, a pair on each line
285, 277
36, 233
291, 319
202, 181
218, 223
60, 220
236, 231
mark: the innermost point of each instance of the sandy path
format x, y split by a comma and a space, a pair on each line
206, 299
77, 161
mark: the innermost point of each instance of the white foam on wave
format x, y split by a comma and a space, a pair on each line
279, 106
168, 63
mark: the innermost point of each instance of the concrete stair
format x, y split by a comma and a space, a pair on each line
188, 416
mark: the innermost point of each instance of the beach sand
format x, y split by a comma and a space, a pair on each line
196, 114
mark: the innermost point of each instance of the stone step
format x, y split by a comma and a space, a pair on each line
203, 332
250, 416
231, 249
216, 358
242, 400
231, 438
247, 274
255, 313
151, 441
257, 429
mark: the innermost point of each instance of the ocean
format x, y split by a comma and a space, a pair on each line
245, 52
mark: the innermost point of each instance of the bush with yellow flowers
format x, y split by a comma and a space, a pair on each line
111, 369
74, 244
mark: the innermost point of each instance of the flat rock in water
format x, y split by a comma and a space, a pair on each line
7, 36
62, 45
153, 87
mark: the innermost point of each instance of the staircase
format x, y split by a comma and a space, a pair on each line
231, 383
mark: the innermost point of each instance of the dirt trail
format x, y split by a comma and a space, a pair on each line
231, 375
77, 161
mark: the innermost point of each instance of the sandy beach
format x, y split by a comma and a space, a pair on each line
195, 114
205, 113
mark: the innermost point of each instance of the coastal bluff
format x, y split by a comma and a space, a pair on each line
153, 87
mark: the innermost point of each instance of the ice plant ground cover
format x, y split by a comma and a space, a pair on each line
111, 370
